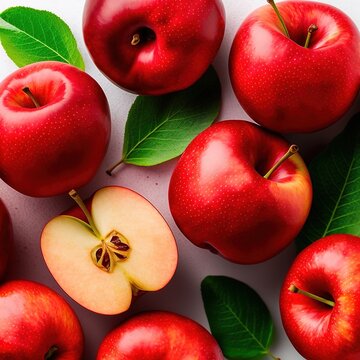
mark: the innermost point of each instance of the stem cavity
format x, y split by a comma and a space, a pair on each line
28, 92
272, 3
293, 149
296, 290
312, 28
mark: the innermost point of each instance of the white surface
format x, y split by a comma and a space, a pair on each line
182, 295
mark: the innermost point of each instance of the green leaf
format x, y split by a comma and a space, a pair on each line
159, 128
335, 175
29, 35
238, 318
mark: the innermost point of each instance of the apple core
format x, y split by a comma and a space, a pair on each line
113, 248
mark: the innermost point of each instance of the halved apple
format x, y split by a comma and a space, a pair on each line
125, 247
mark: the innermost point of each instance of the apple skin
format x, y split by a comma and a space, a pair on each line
329, 268
159, 335
220, 201
286, 87
33, 319
59, 146
6, 238
186, 36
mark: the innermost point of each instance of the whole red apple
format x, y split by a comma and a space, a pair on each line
320, 299
159, 335
221, 199
5, 238
36, 323
153, 47
289, 88
55, 127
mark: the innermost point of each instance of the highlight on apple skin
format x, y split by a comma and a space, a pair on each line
223, 197
285, 85
320, 299
37, 323
157, 335
55, 128
153, 47
120, 248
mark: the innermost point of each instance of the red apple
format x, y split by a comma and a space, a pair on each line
122, 247
289, 88
36, 323
153, 47
5, 238
220, 199
325, 326
159, 335
55, 127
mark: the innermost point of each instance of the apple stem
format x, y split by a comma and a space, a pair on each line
293, 149
28, 92
50, 354
296, 290
312, 28
76, 197
272, 3
112, 168
135, 39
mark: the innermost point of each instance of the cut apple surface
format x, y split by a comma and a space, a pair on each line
125, 248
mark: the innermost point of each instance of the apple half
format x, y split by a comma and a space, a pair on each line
125, 247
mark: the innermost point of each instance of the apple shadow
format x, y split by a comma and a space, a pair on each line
313, 143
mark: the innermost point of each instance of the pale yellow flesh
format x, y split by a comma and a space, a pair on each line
153, 252
67, 243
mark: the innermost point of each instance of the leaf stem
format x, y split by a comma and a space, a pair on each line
294, 289
76, 197
293, 149
272, 3
112, 168
273, 356
312, 28
28, 92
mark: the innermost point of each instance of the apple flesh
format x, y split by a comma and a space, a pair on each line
156, 46
220, 199
159, 335
36, 323
328, 268
289, 88
54, 134
6, 238
126, 248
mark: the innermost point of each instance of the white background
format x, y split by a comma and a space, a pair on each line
182, 295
